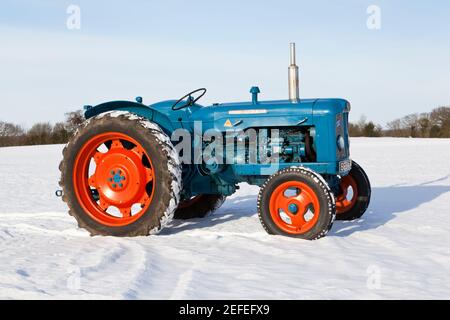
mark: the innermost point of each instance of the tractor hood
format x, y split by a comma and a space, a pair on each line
242, 115
237, 116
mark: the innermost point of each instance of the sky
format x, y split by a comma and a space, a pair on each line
162, 49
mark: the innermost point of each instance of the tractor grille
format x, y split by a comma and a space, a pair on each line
342, 131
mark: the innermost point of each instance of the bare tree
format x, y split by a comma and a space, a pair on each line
395, 128
410, 122
74, 120
424, 123
40, 133
60, 134
9, 129
354, 130
10, 134
441, 118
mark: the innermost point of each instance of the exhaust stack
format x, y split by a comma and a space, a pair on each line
294, 95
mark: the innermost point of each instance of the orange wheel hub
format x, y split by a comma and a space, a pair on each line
294, 207
121, 177
346, 201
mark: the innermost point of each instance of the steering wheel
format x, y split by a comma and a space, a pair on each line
190, 100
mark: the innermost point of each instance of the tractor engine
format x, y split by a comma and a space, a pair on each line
288, 145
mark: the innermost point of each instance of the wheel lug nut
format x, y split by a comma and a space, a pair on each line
121, 185
110, 179
114, 185
112, 172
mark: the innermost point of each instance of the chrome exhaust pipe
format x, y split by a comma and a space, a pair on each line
294, 95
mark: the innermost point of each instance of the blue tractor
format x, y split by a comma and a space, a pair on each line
130, 168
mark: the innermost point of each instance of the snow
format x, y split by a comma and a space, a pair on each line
399, 250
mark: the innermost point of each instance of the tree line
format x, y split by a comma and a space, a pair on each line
435, 124
40, 133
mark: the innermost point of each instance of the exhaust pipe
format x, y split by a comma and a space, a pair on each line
294, 95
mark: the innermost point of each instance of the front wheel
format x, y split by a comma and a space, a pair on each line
354, 194
296, 202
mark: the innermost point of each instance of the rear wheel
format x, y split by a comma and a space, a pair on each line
354, 194
120, 176
296, 202
199, 206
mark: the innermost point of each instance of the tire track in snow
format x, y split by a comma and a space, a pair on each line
120, 262
180, 291
31, 229
139, 262
182, 286
40, 215
169, 271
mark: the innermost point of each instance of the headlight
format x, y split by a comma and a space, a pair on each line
340, 142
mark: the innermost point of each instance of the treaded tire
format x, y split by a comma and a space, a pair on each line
316, 183
200, 208
364, 193
165, 162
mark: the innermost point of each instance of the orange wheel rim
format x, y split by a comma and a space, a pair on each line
346, 201
121, 177
294, 207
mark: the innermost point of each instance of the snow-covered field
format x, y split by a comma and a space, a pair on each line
399, 250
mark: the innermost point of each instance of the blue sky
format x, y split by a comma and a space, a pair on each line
162, 49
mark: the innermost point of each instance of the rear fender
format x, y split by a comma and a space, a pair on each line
137, 108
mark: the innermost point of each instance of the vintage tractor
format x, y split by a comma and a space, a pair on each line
130, 168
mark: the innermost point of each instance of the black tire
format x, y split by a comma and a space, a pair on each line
166, 165
199, 207
313, 181
362, 200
